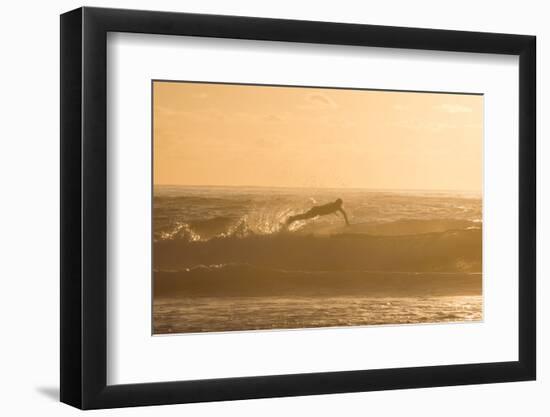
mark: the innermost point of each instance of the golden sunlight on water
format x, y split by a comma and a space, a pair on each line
278, 207
199, 314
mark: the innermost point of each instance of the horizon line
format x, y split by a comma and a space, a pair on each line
320, 188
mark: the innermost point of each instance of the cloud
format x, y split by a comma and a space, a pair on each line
433, 126
317, 101
320, 99
273, 118
268, 141
454, 108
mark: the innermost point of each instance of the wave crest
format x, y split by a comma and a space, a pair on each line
273, 223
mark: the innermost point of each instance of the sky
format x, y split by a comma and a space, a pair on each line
238, 135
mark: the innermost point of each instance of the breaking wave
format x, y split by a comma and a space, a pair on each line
451, 250
218, 227
274, 223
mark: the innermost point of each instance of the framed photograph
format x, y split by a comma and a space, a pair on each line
258, 208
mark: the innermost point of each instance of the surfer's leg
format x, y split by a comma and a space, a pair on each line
290, 220
310, 214
303, 216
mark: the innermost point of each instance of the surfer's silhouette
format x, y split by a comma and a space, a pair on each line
323, 210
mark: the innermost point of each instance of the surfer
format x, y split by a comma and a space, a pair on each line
323, 210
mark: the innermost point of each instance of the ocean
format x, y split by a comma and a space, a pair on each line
224, 258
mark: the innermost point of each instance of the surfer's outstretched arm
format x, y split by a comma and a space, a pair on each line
341, 210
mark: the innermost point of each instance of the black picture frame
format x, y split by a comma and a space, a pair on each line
84, 207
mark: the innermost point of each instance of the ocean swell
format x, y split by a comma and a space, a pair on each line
235, 280
449, 251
